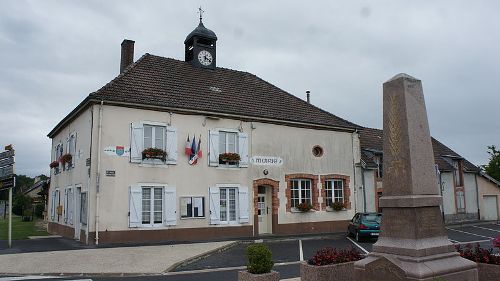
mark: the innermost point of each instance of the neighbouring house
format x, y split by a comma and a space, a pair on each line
457, 179
187, 150
489, 197
39, 193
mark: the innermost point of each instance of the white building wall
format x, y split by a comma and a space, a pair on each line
471, 206
448, 193
370, 190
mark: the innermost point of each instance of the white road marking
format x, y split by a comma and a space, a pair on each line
473, 242
357, 245
218, 269
486, 228
301, 252
469, 233
453, 241
26, 278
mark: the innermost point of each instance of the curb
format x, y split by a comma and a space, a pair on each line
201, 256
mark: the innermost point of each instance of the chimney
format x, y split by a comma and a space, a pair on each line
127, 54
308, 96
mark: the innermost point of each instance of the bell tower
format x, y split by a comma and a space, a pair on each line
200, 46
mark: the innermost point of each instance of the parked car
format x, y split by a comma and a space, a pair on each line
364, 225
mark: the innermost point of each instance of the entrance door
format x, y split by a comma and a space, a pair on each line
264, 210
76, 213
490, 207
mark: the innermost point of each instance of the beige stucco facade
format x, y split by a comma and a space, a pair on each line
489, 193
292, 144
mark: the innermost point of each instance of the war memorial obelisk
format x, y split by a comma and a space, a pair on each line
413, 244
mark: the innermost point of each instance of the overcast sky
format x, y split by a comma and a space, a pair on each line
54, 53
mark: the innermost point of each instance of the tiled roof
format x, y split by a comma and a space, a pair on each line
372, 139
170, 83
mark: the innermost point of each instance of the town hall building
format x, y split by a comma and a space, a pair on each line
187, 150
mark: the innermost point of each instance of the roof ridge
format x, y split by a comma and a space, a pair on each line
120, 76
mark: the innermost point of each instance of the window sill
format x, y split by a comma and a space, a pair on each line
328, 209
297, 211
227, 167
153, 165
195, 218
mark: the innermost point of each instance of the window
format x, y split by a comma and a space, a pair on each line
460, 198
57, 156
152, 203
228, 204
71, 147
149, 134
334, 191
68, 205
457, 173
301, 192
317, 151
83, 208
380, 166
192, 207
232, 143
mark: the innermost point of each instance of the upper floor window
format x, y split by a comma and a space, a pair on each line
153, 143
301, 192
458, 172
380, 165
71, 150
228, 148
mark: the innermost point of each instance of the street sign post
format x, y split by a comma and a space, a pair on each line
7, 179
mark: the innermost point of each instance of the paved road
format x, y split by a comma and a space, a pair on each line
287, 253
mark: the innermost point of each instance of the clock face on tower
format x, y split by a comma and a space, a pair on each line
205, 58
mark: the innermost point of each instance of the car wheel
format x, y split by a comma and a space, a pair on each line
358, 239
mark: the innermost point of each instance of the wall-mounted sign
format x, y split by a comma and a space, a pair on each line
110, 173
7, 183
118, 150
266, 161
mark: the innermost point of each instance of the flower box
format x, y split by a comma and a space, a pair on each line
66, 158
304, 207
339, 271
229, 158
154, 153
247, 276
337, 206
54, 164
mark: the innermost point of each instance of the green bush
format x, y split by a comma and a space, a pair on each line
20, 203
39, 208
260, 259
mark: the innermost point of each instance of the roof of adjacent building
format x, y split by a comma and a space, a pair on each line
178, 86
372, 142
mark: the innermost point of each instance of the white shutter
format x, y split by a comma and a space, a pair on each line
214, 195
213, 153
136, 142
243, 204
65, 208
70, 206
243, 149
171, 137
170, 206
53, 205
135, 206
75, 154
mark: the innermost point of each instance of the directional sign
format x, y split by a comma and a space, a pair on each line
7, 154
7, 171
7, 183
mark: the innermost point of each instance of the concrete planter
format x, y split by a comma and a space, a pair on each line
340, 271
247, 276
488, 272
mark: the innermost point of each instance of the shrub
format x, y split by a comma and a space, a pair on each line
337, 206
478, 254
259, 259
39, 208
20, 203
330, 255
304, 207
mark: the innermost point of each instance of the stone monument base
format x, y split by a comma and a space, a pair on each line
387, 267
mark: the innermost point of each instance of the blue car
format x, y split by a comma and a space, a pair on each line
364, 225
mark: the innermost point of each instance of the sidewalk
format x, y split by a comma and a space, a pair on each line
115, 261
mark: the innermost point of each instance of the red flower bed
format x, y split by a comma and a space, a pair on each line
478, 254
330, 255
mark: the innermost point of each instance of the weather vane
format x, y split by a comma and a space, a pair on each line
200, 11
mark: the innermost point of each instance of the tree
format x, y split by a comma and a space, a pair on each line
493, 167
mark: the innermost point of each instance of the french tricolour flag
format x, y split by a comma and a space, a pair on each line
187, 149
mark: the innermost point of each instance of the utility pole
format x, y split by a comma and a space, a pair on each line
8, 180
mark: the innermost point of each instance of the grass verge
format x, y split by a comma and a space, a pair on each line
20, 229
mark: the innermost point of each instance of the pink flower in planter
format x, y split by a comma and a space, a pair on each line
496, 242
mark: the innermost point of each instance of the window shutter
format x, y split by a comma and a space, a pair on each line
75, 155
243, 204
243, 149
135, 206
53, 205
170, 206
70, 206
136, 142
214, 205
65, 207
213, 159
171, 137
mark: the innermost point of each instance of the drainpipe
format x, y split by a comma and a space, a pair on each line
98, 176
477, 198
354, 172
364, 189
89, 178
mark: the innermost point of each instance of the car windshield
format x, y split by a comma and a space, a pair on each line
372, 217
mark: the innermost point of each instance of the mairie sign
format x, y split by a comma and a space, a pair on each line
266, 161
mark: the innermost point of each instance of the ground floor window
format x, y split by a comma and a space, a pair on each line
192, 207
301, 192
228, 204
152, 205
83, 208
334, 191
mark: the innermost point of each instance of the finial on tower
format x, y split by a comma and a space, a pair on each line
200, 11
